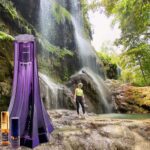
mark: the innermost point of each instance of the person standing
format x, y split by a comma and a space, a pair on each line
79, 99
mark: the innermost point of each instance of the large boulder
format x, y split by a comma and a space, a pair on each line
129, 99
97, 96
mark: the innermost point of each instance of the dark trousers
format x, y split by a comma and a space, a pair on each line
79, 100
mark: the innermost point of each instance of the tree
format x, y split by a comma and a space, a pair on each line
133, 16
137, 61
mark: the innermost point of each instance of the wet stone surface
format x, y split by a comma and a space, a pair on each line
94, 133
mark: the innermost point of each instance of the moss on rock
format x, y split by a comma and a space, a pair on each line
60, 13
6, 69
139, 96
6, 55
129, 99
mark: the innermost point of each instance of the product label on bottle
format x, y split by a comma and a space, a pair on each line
4, 137
15, 141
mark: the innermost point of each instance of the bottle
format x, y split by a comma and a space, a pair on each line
5, 127
15, 133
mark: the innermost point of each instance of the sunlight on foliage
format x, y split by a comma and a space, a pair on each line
110, 63
4, 36
134, 20
138, 95
137, 61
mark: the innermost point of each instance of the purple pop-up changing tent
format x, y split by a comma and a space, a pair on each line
35, 124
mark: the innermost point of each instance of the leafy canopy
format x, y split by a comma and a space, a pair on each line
134, 19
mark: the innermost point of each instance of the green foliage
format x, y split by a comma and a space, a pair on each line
133, 16
60, 53
94, 5
20, 25
107, 53
138, 95
3, 27
134, 19
4, 103
137, 62
65, 52
110, 64
65, 74
104, 57
87, 25
4, 36
6, 58
10, 8
9, 12
60, 13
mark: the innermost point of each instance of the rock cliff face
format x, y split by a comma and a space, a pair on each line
29, 9
19, 17
97, 96
55, 55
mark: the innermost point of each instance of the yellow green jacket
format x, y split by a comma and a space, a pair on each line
79, 92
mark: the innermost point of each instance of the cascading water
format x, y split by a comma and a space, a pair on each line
100, 86
44, 17
50, 93
54, 95
87, 54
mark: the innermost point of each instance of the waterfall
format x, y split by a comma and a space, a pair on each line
49, 91
45, 17
87, 54
103, 92
54, 95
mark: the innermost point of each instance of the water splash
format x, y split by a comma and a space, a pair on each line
103, 91
54, 95
50, 93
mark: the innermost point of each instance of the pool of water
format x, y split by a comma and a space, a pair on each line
126, 116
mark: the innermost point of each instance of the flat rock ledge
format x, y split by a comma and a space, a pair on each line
94, 132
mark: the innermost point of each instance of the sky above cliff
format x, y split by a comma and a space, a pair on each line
102, 29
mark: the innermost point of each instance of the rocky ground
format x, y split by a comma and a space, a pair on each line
95, 133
